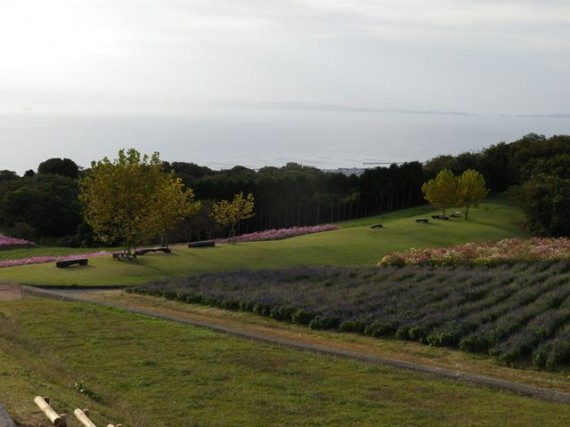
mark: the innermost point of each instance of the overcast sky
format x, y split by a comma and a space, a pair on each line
497, 57
261, 82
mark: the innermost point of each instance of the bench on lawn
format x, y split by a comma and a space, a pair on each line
377, 226
147, 250
66, 263
422, 220
443, 217
202, 244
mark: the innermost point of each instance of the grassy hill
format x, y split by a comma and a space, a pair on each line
354, 244
143, 372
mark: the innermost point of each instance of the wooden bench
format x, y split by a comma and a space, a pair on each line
147, 250
422, 220
66, 263
202, 244
442, 217
377, 226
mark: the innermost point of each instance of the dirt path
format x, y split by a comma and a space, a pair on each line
10, 291
298, 341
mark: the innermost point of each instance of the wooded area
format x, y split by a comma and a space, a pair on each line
43, 206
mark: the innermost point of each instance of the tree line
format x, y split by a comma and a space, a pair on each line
44, 205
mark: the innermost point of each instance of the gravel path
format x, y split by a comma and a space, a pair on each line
226, 327
5, 419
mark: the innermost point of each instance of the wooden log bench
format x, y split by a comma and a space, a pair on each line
422, 220
202, 244
66, 263
56, 419
147, 250
377, 226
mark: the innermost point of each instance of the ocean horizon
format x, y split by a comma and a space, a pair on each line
221, 140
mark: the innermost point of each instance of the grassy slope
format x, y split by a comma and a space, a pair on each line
160, 373
354, 244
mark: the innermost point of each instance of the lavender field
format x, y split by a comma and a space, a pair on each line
518, 313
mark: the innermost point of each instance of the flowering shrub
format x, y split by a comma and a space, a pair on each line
282, 233
485, 253
43, 259
8, 242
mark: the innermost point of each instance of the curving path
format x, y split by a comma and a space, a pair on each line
299, 344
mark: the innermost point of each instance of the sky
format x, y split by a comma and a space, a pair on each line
207, 58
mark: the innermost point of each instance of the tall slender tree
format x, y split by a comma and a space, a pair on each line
470, 189
229, 214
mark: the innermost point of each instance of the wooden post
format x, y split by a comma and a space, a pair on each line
83, 417
43, 404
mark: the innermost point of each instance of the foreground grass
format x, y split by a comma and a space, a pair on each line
354, 244
151, 372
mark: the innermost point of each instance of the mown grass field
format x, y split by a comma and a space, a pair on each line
148, 372
354, 244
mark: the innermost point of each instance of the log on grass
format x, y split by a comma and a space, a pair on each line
83, 417
56, 419
66, 263
202, 244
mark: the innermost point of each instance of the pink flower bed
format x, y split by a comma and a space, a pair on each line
8, 242
43, 259
282, 233
485, 253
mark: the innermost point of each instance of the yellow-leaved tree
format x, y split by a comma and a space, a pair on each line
470, 189
229, 214
441, 192
132, 200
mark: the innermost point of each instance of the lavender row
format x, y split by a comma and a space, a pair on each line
497, 310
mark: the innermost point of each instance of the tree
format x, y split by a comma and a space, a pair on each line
441, 192
57, 166
44, 206
470, 189
173, 203
545, 200
132, 200
6, 175
229, 214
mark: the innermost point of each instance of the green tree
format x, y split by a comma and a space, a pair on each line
470, 189
545, 200
57, 166
229, 214
441, 192
132, 200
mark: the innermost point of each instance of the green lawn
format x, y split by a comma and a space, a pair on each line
354, 244
147, 372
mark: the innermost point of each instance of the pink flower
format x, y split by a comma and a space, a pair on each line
47, 258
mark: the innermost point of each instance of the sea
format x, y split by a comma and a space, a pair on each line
327, 140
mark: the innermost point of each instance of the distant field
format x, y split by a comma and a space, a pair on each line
147, 372
354, 244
